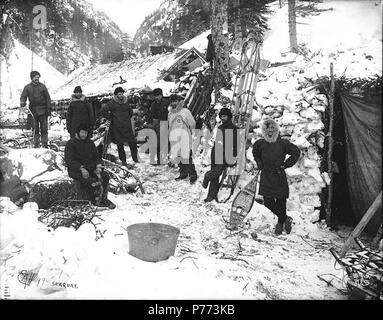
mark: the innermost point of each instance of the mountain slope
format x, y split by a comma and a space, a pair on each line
177, 21
75, 35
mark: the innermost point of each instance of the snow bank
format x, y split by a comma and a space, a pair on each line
27, 163
333, 29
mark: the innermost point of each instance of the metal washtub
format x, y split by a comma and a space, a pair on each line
152, 242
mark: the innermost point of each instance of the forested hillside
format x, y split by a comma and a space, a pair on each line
75, 34
177, 21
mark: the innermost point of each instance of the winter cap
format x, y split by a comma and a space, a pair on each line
34, 74
82, 126
226, 111
157, 92
118, 89
77, 89
175, 97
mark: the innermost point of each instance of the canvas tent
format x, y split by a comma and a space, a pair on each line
362, 118
357, 150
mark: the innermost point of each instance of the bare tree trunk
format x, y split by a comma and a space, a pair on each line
238, 32
221, 42
292, 27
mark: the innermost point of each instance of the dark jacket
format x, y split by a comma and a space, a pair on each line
81, 153
79, 111
39, 98
159, 110
120, 113
225, 144
270, 154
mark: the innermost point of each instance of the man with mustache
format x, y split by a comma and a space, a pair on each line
40, 107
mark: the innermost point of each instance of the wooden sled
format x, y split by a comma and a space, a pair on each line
243, 202
120, 177
364, 269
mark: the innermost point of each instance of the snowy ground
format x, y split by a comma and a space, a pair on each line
210, 262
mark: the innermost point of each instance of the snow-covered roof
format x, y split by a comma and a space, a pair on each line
182, 58
140, 72
199, 42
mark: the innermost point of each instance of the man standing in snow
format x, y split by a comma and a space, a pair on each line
226, 139
158, 113
270, 153
79, 111
85, 165
181, 125
120, 113
40, 107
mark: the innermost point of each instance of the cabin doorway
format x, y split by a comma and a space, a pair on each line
341, 209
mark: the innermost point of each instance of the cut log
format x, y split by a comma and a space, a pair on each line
47, 193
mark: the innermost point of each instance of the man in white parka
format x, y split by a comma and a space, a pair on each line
181, 125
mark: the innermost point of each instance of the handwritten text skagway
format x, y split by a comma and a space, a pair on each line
26, 278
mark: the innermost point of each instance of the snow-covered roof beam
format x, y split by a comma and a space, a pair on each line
181, 59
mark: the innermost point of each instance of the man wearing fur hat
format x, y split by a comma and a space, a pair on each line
85, 165
181, 125
270, 153
40, 107
120, 114
79, 111
226, 140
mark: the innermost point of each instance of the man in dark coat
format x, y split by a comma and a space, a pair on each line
120, 114
79, 111
40, 107
85, 165
159, 112
226, 140
270, 153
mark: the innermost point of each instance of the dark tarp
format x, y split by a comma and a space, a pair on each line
362, 122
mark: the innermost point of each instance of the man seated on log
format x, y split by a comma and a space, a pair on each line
85, 166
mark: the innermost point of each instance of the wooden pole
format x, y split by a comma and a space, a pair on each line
330, 146
292, 26
30, 46
362, 224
